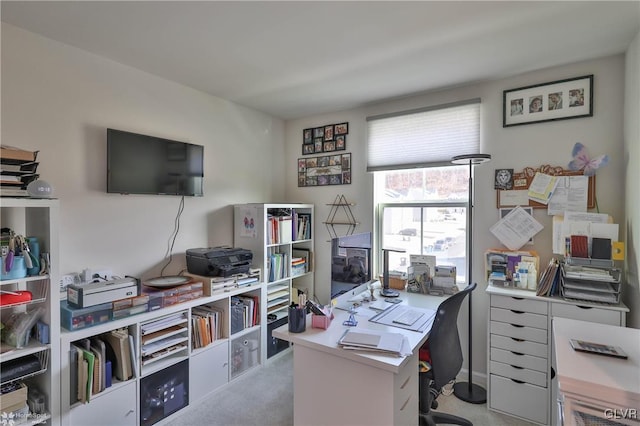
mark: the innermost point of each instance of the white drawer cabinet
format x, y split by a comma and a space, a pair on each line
115, 407
520, 362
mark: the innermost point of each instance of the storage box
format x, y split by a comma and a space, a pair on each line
75, 319
321, 321
394, 282
91, 294
10, 400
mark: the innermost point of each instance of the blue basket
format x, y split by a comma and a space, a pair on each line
18, 269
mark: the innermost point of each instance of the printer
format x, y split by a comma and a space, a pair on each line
218, 261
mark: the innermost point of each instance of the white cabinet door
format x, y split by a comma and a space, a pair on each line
116, 407
208, 370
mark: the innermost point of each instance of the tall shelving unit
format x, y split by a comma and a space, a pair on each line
37, 218
253, 231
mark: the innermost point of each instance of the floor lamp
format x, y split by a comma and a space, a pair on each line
468, 391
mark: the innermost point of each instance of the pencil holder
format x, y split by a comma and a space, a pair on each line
297, 319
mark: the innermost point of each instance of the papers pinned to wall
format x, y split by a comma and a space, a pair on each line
542, 187
516, 228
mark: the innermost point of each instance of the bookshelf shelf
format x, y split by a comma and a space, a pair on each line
282, 233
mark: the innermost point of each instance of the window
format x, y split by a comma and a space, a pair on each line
421, 199
423, 211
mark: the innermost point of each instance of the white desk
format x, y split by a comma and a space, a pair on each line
333, 386
596, 385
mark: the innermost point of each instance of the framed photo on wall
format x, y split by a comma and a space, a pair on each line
557, 100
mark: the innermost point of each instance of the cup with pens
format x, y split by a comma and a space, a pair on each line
298, 316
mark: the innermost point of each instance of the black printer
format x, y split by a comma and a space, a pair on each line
218, 261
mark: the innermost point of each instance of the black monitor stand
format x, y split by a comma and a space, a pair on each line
386, 291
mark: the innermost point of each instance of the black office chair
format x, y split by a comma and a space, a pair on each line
446, 359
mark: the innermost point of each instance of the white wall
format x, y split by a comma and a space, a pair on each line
512, 147
59, 100
631, 291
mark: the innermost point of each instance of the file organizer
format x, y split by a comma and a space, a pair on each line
591, 284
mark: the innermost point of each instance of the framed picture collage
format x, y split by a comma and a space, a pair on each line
328, 138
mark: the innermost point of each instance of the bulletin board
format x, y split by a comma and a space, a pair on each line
522, 180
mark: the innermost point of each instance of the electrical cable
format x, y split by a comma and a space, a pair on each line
172, 238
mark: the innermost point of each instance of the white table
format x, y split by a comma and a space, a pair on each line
596, 385
333, 386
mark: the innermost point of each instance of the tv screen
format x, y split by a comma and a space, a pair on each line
140, 164
350, 262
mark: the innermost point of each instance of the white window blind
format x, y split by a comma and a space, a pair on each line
423, 137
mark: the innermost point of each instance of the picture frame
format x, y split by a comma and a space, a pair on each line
556, 100
326, 138
328, 133
308, 149
307, 136
323, 170
341, 129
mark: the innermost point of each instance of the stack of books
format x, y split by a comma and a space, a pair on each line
17, 169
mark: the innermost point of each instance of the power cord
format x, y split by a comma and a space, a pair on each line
172, 238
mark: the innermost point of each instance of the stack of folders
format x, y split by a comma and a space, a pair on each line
371, 341
94, 363
206, 325
549, 281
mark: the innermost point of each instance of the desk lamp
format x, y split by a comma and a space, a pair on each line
386, 291
470, 392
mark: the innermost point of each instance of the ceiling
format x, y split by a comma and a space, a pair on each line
294, 59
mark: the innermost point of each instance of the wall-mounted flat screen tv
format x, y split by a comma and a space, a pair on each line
141, 164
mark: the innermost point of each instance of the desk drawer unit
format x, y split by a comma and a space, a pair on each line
406, 391
519, 346
532, 402
518, 357
586, 313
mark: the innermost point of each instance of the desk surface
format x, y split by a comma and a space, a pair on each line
598, 377
326, 340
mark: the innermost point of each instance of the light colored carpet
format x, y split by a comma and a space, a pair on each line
263, 396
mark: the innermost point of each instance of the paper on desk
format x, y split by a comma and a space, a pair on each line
516, 228
570, 194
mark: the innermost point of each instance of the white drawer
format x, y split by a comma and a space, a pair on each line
586, 313
520, 346
519, 399
108, 408
519, 317
518, 373
519, 332
519, 304
405, 395
519, 360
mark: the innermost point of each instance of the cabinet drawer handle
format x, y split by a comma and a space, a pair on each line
517, 298
517, 353
553, 373
517, 340
516, 367
129, 412
584, 307
517, 381
517, 325
517, 312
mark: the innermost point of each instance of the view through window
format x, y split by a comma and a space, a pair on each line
423, 211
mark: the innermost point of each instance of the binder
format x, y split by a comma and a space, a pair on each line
73, 374
119, 345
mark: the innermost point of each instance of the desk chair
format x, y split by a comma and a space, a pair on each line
446, 359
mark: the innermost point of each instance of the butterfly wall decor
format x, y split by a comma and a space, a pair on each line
582, 161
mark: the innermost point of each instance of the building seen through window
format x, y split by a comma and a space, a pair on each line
423, 211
